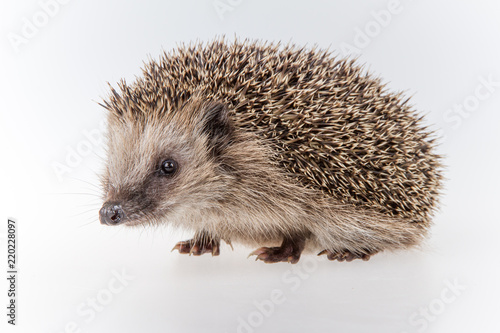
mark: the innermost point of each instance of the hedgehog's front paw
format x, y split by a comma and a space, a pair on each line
271, 255
345, 255
289, 251
198, 247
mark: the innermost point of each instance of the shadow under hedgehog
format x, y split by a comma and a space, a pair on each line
269, 145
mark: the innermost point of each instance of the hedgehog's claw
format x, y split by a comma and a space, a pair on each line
197, 248
258, 252
345, 255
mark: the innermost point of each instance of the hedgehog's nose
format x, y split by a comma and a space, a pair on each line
111, 213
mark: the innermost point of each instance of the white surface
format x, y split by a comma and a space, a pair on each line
438, 51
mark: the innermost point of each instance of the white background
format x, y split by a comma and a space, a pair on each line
440, 52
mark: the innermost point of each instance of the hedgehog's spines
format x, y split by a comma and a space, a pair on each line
333, 126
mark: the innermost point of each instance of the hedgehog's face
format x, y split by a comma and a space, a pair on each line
161, 168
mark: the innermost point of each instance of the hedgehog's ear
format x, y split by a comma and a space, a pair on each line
216, 121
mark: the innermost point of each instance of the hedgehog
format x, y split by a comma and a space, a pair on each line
284, 148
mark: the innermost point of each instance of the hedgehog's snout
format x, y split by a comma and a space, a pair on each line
111, 213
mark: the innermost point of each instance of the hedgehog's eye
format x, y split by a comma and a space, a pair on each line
168, 167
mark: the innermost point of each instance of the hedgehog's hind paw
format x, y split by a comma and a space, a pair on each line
197, 247
346, 255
